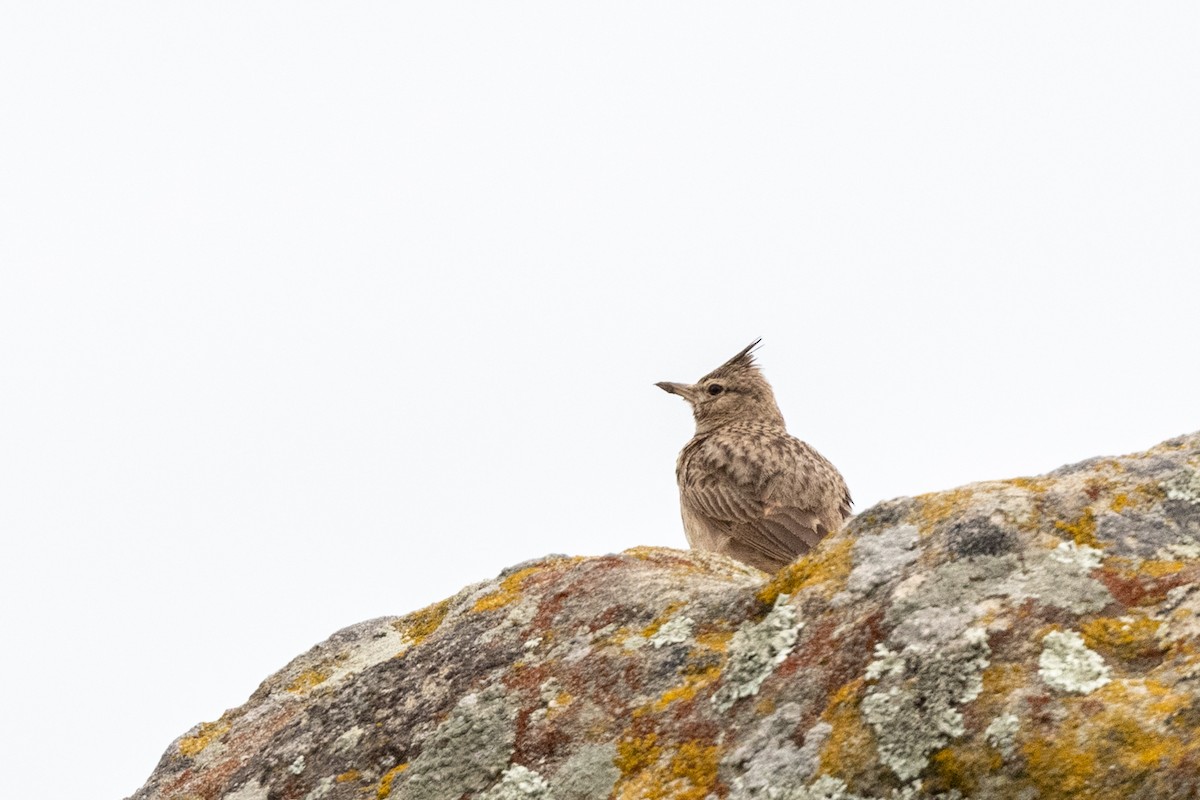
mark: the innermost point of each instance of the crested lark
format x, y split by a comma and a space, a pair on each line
747, 488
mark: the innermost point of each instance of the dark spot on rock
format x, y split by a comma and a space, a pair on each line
980, 537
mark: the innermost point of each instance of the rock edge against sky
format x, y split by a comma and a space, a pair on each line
1026, 638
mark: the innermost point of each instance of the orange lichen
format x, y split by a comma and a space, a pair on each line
1108, 753
826, 565
1119, 502
348, 776
1126, 639
192, 746
385, 783
509, 591
1082, 530
420, 625
306, 680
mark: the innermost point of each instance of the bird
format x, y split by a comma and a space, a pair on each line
748, 488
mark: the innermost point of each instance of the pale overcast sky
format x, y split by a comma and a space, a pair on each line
316, 312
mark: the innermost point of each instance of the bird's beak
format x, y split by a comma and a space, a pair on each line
682, 389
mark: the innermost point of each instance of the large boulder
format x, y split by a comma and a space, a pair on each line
1027, 638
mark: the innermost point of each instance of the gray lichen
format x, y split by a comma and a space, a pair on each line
880, 557
829, 788
1059, 578
755, 651
768, 762
466, 753
1068, 665
913, 705
587, 774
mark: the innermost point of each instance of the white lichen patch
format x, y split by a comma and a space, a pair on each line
323, 787
755, 651
518, 783
1068, 665
348, 740
674, 631
887, 662
1188, 548
1184, 486
1081, 555
297, 766
1001, 733
384, 643
825, 787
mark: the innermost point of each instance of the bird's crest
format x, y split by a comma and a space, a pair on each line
741, 364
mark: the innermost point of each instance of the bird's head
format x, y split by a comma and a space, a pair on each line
736, 391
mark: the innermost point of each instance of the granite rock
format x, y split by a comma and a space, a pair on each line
1027, 638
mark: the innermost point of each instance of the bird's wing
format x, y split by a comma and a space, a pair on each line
772, 494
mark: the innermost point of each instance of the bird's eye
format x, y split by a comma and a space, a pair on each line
715, 388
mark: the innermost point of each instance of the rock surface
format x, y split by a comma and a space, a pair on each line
1028, 638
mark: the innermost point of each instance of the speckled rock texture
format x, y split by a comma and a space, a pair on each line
1028, 638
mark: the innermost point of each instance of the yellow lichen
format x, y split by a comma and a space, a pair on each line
420, 625
687, 772
306, 680
1119, 502
1127, 639
192, 746
693, 770
826, 565
715, 640
1082, 530
559, 704
960, 768
509, 591
642, 552
1112, 743
637, 753
385, 783
937, 506
1159, 569
846, 751
662, 619
348, 775
688, 689
1038, 485
1002, 679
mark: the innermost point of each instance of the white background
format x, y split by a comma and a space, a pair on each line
312, 313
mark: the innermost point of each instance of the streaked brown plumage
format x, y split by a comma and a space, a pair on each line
747, 488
